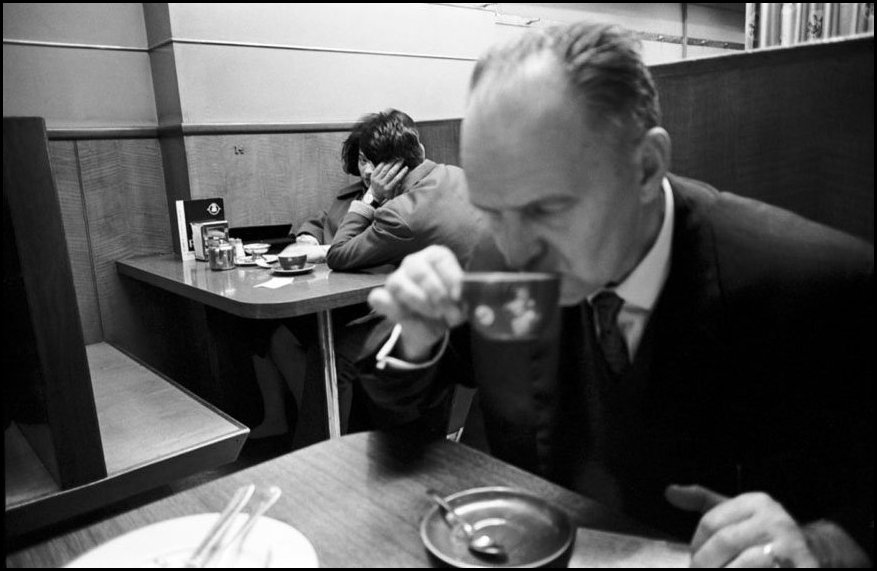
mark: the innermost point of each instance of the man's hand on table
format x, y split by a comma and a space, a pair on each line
754, 530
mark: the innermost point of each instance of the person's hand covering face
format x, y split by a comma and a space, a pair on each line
386, 180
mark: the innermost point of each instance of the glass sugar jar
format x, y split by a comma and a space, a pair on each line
220, 255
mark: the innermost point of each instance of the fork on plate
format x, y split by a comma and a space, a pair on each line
214, 544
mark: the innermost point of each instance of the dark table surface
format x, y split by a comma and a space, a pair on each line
358, 499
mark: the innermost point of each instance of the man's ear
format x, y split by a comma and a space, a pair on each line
654, 156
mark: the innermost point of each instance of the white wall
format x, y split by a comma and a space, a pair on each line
283, 63
710, 23
109, 24
75, 87
704, 22
334, 62
324, 62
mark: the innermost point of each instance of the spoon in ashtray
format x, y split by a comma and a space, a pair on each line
479, 543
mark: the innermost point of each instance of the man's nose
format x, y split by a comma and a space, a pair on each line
520, 245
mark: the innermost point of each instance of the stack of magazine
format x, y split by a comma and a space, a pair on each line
787, 24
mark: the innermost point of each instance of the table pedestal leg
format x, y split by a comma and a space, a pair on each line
330, 377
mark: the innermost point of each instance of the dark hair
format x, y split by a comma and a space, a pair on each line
350, 151
389, 136
602, 63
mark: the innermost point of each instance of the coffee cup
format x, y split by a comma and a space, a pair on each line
294, 262
510, 306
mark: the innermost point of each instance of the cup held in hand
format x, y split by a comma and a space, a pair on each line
295, 262
510, 306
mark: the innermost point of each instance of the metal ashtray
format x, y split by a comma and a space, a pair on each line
533, 532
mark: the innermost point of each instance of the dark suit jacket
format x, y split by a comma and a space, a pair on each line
753, 373
324, 225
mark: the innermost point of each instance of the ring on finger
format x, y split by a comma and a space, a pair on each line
776, 561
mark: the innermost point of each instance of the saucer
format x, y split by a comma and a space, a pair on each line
168, 543
293, 272
533, 532
249, 261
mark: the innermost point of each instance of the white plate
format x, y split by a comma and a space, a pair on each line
293, 272
271, 543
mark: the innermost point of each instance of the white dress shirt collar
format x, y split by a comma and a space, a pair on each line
643, 285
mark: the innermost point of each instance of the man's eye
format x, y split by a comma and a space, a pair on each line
546, 208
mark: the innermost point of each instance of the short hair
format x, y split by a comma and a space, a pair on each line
602, 63
390, 136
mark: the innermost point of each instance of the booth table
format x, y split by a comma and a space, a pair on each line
360, 499
234, 291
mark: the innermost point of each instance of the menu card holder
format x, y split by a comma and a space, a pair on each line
192, 211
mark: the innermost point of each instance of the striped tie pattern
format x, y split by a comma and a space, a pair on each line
606, 305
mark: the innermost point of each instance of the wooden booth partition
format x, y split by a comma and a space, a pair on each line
85, 425
793, 127
48, 392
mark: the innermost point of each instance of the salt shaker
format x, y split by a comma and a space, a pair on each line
239, 252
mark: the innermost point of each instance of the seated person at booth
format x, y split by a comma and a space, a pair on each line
282, 391
712, 371
410, 202
320, 229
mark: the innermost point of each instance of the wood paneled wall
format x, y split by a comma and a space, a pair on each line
113, 206
792, 127
65, 170
267, 179
441, 139
126, 209
286, 177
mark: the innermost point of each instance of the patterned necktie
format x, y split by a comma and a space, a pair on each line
606, 305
